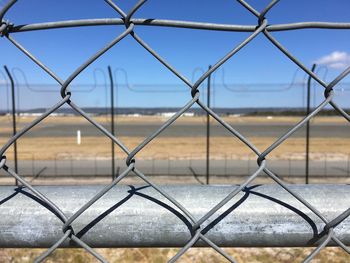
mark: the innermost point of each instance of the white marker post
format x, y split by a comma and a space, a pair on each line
78, 137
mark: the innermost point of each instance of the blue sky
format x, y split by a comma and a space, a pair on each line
63, 50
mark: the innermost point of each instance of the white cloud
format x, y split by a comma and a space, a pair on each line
336, 60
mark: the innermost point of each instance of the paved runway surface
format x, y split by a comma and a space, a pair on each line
334, 130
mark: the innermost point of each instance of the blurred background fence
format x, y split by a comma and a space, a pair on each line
107, 89
69, 164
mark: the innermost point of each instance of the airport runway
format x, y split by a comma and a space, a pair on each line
334, 130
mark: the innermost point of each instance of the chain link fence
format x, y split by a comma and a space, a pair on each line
198, 233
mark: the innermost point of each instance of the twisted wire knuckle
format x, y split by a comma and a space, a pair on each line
5, 27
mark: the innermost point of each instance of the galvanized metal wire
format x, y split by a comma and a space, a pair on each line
262, 27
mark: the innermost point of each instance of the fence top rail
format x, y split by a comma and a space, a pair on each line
260, 215
177, 24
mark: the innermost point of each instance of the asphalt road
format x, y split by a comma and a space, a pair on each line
335, 130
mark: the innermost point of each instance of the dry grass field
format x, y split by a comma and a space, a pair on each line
194, 255
47, 148
177, 148
186, 119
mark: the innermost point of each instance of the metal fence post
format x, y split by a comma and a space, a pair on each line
14, 128
208, 130
112, 119
308, 125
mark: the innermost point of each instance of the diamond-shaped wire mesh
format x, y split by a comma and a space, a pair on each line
126, 19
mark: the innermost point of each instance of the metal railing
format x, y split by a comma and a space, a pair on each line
326, 230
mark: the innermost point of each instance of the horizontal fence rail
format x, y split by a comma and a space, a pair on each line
209, 216
139, 216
